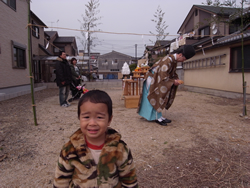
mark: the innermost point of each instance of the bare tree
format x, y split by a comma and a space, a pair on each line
229, 3
89, 24
160, 25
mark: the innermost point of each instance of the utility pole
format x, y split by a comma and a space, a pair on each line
89, 52
136, 51
89, 56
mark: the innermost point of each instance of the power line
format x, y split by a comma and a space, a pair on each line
106, 32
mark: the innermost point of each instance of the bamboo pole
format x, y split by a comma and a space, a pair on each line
244, 99
30, 67
242, 56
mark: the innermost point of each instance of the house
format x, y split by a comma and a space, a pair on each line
14, 52
216, 68
57, 43
38, 46
110, 64
14, 67
49, 51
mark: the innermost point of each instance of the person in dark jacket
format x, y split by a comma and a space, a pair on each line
63, 78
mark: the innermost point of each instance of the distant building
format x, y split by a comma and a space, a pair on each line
110, 64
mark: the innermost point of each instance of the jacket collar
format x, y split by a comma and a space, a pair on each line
60, 59
78, 139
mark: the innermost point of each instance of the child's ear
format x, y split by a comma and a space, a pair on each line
110, 120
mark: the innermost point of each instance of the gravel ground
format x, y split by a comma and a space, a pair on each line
206, 145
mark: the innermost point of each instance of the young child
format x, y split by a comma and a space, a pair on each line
95, 156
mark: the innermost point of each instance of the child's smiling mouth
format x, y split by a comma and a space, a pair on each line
92, 131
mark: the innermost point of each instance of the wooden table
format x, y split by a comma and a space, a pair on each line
139, 82
130, 87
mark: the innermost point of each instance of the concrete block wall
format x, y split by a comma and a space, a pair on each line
9, 93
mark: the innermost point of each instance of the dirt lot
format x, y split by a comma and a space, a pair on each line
206, 145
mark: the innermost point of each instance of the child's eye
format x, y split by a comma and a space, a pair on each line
85, 117
100, 117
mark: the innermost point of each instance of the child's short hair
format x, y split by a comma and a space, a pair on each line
96, 96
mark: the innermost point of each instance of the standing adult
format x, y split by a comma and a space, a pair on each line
76, 78
63, 78
160, 85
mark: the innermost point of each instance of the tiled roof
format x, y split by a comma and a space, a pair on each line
163, 42
233, 37
218, 41
115, 52
218, 10
205, 41
51, 33
36, 17
45, 50
64, 40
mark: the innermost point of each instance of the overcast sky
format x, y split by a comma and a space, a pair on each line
118, 16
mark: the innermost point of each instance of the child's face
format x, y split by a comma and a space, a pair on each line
94, 120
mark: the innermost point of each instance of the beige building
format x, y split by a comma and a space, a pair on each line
14, 68
216, 68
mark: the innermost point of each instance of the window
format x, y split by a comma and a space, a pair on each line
196, 12
105, 62
10, 3
114, 62
19, 55
35, 30
204, 32
57, 49
236, 60
73, 51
